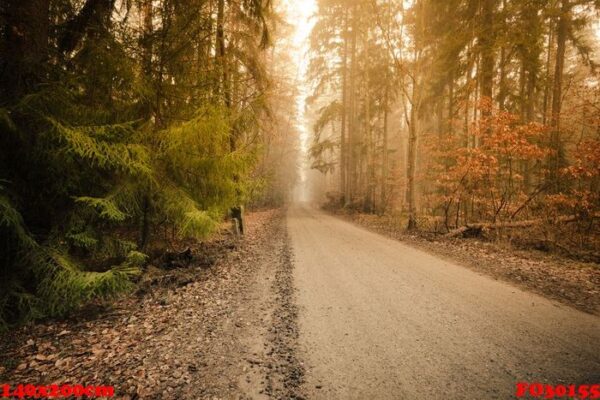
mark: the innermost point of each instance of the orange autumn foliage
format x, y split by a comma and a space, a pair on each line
500, 174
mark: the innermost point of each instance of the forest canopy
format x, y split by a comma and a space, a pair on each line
128, 126
461, 116
125, 124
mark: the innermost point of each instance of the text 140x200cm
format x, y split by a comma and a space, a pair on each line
54, 391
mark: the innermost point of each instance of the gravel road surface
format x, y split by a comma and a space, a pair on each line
381, 320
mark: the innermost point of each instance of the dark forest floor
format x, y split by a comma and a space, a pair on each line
225, 331
571, 282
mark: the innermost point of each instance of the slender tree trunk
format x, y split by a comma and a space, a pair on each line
145, 228
522, 93
25, 47
224, 90
221, 55
548, 84
147, 50
369, 146
502, 86
476, 104
502, 89
386, 112
412, 163
468, 80
352, 133
147, 47
486, 41
343, 144
530, 105
531, 68
451, 103
384, 152
556, 145
220, 36
147, 27
532, 20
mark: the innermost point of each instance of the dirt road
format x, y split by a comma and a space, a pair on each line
381, 320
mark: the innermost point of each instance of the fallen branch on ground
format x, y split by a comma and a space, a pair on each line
471, 230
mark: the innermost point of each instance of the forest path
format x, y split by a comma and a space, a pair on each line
379, 319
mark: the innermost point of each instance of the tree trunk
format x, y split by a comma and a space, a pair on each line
147, 50
384, 152
26, 27
522, 94
147, 47
148, 28
473, 138
547, 94
412, 162
467, 106
557, 157
486, 41
221, 56
369, 145
352, 133
450, 121
343, 149
224, 90
145, 228
502, 88
94, 14
478, 228
531, 67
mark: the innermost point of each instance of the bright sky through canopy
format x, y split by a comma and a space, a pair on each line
299, 15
